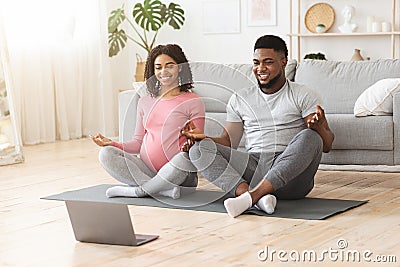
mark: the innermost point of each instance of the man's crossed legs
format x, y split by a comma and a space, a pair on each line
256, 179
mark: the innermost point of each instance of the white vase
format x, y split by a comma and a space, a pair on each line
376, 27
386, 26
370, 20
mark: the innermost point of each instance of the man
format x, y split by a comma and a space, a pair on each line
286, 133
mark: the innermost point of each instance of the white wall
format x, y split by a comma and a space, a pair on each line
237, 48
222, 48
123, 64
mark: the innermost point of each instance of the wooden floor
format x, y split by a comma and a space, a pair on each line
35, 232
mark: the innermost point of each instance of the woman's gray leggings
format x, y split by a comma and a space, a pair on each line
131, 170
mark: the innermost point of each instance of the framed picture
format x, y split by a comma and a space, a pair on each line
261, 12
221, 16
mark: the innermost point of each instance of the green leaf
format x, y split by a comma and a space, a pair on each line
116, 41
174, 16
116, 17
148, 16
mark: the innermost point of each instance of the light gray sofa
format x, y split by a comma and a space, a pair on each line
372, 140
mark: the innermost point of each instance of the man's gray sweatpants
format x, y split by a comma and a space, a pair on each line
291, 172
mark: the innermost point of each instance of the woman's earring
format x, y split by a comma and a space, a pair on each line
179, 81
158, 85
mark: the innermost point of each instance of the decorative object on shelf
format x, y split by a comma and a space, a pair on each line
370, 20
319, 13
386, 26
347, 26
297, 34
151, 16
357, 55
320, 28
376, 26
318, 56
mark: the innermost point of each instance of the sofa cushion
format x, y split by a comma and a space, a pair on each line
215, 122
290, 70
340, 83
373, 133
214, 126
377, 99
215, 83
140, 88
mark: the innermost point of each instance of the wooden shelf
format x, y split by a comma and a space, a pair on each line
297, 33
335, 34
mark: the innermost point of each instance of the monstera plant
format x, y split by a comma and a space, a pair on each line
150, 16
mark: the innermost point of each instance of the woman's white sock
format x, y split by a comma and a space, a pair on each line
236, 206
125, 191
137, 191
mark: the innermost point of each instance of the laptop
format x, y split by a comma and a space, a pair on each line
104, 223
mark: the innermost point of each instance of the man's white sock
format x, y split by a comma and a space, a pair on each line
187, 190
236, 206
125, 191
267, 203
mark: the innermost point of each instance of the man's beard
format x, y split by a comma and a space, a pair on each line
270, 83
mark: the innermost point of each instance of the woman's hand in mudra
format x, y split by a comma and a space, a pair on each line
100, 140
187, 145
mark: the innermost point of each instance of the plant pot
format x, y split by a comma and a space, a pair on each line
140, 66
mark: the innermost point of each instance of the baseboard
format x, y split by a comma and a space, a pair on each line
362, 168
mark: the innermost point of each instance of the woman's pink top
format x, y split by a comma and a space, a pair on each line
157, 134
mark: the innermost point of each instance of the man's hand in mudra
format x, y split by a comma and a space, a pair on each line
192, 134
190, 131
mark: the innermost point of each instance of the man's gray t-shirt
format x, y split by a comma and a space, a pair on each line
270, 121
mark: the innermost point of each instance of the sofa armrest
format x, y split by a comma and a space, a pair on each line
396, 128
127, 109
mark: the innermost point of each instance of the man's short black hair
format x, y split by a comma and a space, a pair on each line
272, 42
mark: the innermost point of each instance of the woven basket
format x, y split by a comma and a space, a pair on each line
319, 13
140, 66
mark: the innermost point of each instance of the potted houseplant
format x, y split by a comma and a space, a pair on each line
150, 16
318, 56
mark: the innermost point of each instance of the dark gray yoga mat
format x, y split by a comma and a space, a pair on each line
307, 208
